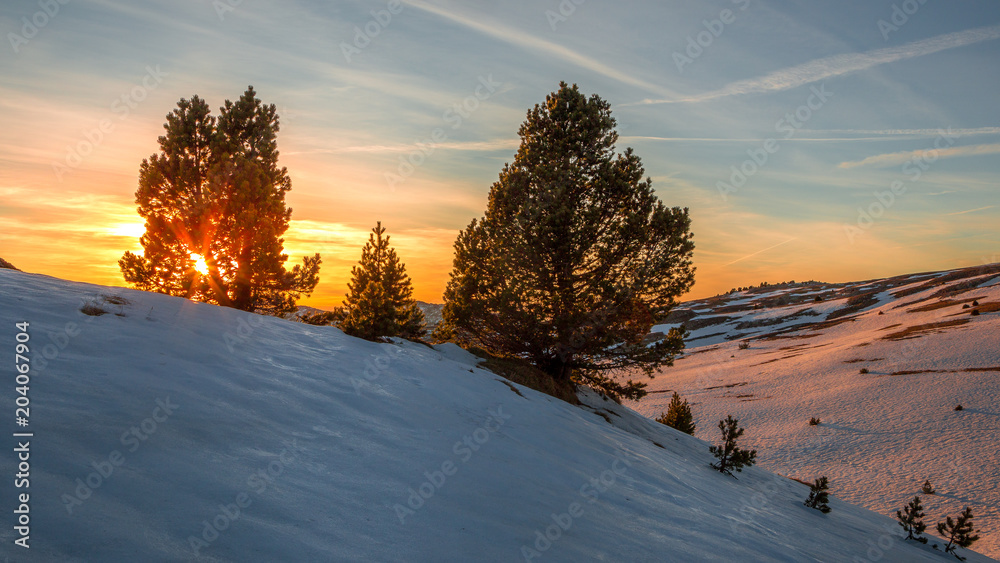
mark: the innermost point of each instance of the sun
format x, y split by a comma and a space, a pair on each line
199, 263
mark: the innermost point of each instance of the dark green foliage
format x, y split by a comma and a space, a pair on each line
319, 318
380, 303
678, 415
215, 191
575, 258
927, 489
819, 495
959, 533
911, 519
731, 457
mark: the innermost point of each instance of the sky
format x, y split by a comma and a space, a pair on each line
833, 141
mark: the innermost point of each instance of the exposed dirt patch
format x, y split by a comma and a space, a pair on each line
942, 304
730, 385
920, 330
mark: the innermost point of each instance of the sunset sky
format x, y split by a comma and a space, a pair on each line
838, 109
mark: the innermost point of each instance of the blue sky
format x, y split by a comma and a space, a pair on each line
909, 104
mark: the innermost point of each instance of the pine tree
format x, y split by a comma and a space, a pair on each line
959, 532
380, 303
731, 457
213, 200
819, 495
575, 258
927, 488
911, 518
678, 415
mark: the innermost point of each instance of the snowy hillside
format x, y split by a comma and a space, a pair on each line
883, 431
171, 431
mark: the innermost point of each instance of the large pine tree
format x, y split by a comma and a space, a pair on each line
380, 302
214, 203
575, 258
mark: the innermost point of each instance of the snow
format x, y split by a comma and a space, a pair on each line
324, 444
881, 434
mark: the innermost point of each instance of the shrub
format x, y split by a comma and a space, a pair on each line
819, 495
927, 489
966, 306
911, 519
745, 344
959, 407
93, 309
818, 299
731, 457
959, 533
974, 312
678, 415
975, 303
814, 421
864, 370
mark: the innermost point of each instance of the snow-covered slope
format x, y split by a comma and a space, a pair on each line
882, 432
170, 431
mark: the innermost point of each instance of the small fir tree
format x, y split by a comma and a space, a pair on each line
380, 303
959, 532
819, 495
731, 457
911, 518
678, 415
927, 489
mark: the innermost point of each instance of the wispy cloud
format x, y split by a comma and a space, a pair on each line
967, 132
486, 146
894, 158
837, 65
759, 252
533, 44
972, 210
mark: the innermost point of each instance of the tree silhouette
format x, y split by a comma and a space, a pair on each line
575, 258
380, 302
213, 200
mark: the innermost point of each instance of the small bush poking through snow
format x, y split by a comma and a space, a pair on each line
814, 421
678, 415
92, 309
959, 407
911, 518
819, 495
927, 489
959, 533
966, 306
864, 370
744, 345
731, 457
974, 312
975, 303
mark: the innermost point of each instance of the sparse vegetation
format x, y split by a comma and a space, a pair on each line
864, 370
814, 421
911, 519
959, 407
819, 495
974, 312
731, 457
959, 533
678, 415
975, 303
927, 489
93, 309
745, 344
